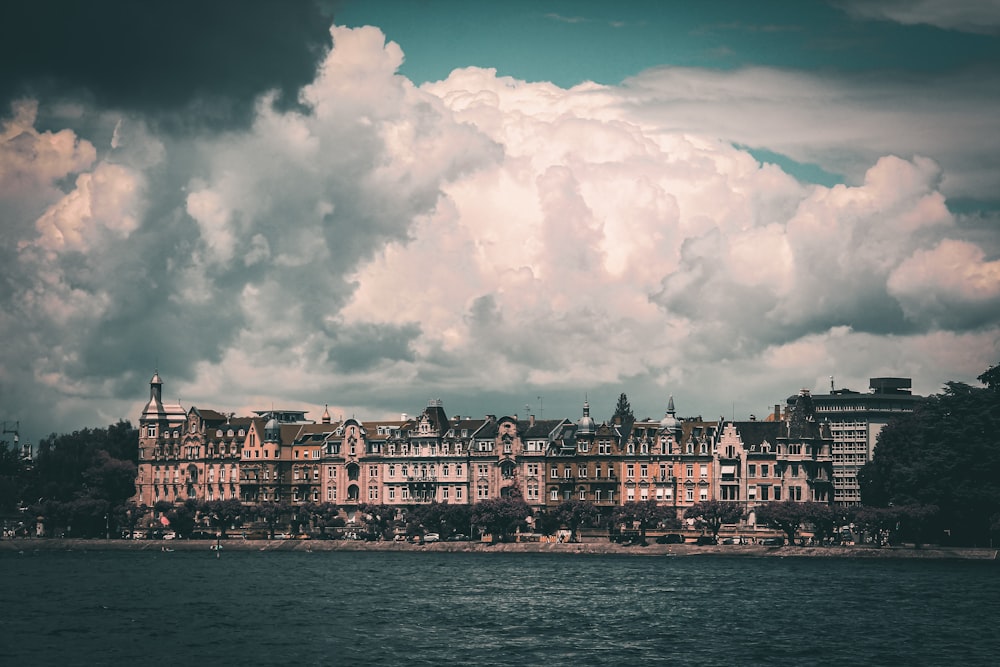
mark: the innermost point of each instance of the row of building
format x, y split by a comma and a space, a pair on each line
810, 451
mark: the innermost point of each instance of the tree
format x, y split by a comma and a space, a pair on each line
712, 514
500, 516
623, 411
576, 513
642, 514
944, 454
222, 513
786, 516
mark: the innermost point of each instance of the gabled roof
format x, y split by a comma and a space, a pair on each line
754, 433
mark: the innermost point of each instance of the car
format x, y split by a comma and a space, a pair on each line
170, 535
458, 537
671, 538
705, 540
432, 537
773, 541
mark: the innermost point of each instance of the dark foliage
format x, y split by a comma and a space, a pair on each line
946, 454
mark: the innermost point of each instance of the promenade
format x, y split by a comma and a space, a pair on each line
587, 547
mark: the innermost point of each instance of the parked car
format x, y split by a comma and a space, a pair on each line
705, 540
670, 538
432, 537
169, 535
773, 541
458, 537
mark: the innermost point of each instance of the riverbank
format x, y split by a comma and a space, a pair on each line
587, 547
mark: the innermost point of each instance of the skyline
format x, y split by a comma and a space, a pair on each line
494, 205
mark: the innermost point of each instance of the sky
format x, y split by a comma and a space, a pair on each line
512, 207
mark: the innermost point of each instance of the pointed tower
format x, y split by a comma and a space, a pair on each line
670, 428
326, 414
585, 425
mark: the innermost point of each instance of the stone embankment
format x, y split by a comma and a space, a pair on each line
586, 547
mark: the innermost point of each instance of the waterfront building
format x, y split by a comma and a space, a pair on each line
855, 422
582, 462
279, 456
774, 461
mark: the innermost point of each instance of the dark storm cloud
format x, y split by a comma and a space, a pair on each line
361, 347
211, 58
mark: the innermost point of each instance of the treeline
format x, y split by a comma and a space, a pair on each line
944, 458
82, 480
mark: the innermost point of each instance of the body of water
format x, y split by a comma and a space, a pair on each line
402, 608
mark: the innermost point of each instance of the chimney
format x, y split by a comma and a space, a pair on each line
531, 420
777, 412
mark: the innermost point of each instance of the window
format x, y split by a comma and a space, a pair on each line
583, 494
392, 493
566, 472
582, 470
597, 496
482, 491
532, 492
482, 470
765, 492
372, 493
668, 493
644, 493
689, 470
751, 470
392, 470
584, 446
703, 470
765, 470
777, 493
689, 495
554, 494
703, 495
751, 493
533, 470
405, 493
643, 471
458, 493
445, 470
553, 472
444, 493
630, 471
458, 470
373, 471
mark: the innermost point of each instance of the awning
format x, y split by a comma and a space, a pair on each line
728, 470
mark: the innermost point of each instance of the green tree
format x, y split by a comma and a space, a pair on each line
643, 515
222, 514
786, 516
623, 410
712, 514
576, 513
944, 454
500, 516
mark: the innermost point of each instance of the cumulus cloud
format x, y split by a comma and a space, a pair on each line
843, 123
484, 240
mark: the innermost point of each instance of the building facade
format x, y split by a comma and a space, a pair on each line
855, 421
279, 456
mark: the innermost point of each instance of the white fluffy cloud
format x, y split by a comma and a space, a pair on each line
491, 241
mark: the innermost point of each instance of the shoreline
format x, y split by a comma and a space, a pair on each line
24, 545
